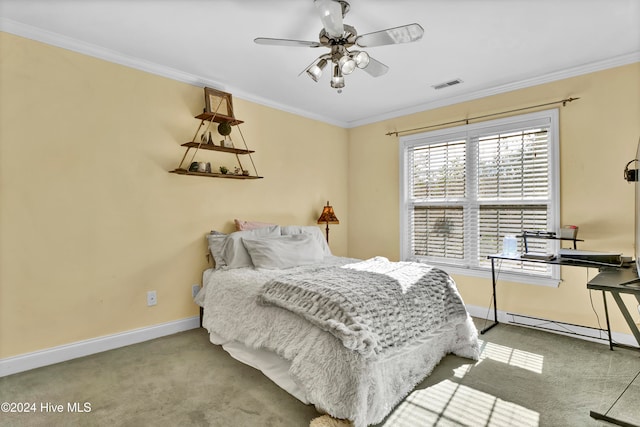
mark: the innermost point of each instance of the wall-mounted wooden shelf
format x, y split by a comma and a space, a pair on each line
204, 146
206, 143
219, 118
214, 175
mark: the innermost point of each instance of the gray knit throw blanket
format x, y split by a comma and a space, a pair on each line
373, 306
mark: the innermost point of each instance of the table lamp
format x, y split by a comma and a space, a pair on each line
328, 217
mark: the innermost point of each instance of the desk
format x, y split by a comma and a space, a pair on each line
612, 280
617, 282
555, 261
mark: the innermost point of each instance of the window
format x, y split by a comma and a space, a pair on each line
464, 188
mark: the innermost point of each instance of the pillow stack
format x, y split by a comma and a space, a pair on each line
264, 245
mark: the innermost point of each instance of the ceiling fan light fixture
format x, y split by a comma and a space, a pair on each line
361, 58
347, 64
337, 81
339, 37
315, 70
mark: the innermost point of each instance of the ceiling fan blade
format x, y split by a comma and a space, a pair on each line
285, 42
404, 34
376, 68
331, 17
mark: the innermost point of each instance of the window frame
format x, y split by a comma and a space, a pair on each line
470, 133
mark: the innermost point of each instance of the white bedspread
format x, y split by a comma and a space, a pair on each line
335, 379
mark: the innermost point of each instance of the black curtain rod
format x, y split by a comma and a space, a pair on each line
466, 121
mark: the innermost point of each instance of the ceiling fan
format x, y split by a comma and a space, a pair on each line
339, 38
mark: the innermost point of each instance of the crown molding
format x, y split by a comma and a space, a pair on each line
508, 87
75, 45
55, 39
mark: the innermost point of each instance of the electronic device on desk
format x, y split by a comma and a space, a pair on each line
597, 258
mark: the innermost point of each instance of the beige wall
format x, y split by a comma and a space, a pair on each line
90, 218
598, 136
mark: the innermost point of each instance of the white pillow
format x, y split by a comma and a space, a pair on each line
233, 251
283, 251
313, 230
215, 239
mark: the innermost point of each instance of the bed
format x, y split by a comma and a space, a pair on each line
352, 337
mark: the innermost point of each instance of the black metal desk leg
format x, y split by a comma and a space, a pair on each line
606, 315
495, 306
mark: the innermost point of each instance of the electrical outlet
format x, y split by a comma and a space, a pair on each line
152, 298
194, 290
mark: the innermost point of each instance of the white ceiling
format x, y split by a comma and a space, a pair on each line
492, 45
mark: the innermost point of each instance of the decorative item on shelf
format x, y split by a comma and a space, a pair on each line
224, 170
193, 167
224, 129
202, 167
245, 172
210, 140
203, 138
218, 102
328, 217
208, 167
237, 171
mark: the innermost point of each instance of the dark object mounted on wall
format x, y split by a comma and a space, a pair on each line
631, 175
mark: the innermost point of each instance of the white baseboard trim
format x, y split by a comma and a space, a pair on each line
554, 326
37, 359
62, 353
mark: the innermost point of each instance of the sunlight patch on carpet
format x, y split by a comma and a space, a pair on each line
511, 356
450, 403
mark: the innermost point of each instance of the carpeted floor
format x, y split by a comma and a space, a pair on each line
525, 378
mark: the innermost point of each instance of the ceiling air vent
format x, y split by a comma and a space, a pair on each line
447, 84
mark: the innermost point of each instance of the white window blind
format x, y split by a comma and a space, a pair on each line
465, 188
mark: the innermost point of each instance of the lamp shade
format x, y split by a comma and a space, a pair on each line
328, 216
347, 64
337, 81
315, 70
362, 58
